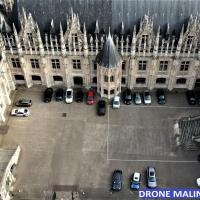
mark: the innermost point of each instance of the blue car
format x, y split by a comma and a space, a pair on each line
135, 181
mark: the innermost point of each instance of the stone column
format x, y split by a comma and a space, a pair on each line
151, 81
172, 74
25, 72
192, 74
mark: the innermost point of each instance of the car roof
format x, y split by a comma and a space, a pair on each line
136, 175
90, 92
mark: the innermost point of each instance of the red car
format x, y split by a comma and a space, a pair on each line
90, 97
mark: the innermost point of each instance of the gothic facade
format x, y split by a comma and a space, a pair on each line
145, 59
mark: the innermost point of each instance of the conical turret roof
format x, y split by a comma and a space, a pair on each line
109, 56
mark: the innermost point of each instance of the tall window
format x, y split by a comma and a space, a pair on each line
142, 65
35, 63
75, 38
30, 37
124, 65
15, 62
163, 66
76, 64
144, 39
112, 79
95, 65
105, 78
55, 63
189, 40
184, 66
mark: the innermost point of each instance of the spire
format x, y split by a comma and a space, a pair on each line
122, 28
96, 28
85, 41
41, 46
52, 28
109, 56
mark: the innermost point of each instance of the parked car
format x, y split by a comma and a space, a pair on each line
69, 96
137, 98
191, 97
20, 112
147, 97
48, 93
127, 97
198, 182
101, 107
90, 97
197, 97
24, 103
116, 102
79, 96
59, 94
117, 180
135, 181
161, 96
151, 177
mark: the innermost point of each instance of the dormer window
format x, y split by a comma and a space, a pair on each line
75, 38
189, 40
144, 39
30, 37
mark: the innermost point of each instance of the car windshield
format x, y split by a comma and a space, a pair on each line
69, 93
90, 97
151, 173
116, 102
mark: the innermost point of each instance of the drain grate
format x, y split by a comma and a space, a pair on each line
64, 114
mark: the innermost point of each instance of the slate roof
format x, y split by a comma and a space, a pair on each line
189, 130
110, 13
109, 56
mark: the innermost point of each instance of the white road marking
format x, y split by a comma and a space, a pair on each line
108, 127
151, 106
161, 161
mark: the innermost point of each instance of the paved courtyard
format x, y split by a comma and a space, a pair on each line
81, 149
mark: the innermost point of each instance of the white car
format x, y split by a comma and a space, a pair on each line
69, 96
20, 112
116, 102
147, 97
137, 98
198, 182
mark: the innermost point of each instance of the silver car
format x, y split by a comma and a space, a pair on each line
151, 177
137, 98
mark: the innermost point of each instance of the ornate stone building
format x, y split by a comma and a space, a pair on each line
76, 53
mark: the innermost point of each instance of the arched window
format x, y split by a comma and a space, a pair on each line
57, 78
181, 81
140, 80
19, 77
36, 78
161, 80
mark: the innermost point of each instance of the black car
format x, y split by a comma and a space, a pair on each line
198, 97
24, 103
101, 107
117, 180
79, 96
48, 93
161, 96
191, 97
59, 94
127, 97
